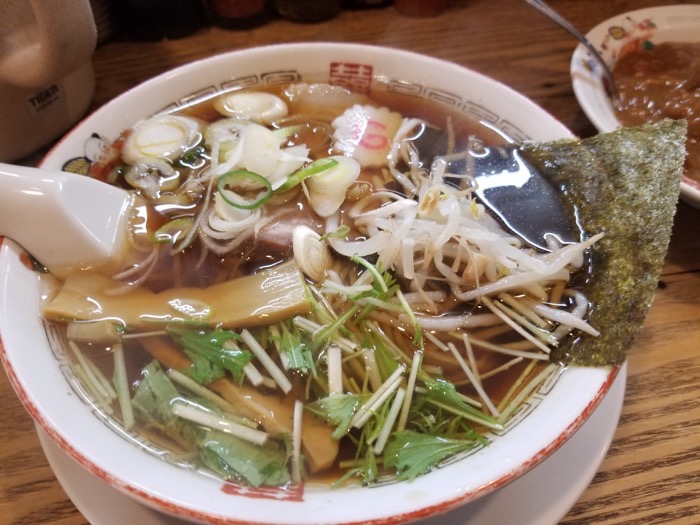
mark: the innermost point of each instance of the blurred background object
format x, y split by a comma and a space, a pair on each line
151, 20
308, 10
46, 76
364, 4
421, 8
238, 14
102, 12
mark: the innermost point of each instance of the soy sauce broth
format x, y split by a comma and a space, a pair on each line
195, 267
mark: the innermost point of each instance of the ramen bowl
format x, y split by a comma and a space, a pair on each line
613, 38
39, 370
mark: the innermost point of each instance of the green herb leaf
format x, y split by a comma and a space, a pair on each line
291, 344
338, 410
383, 281
444, 395
336, 327
214, 346
235, 458
413, 454
367, 471
202, 369
154, 393
381, 296
152, 405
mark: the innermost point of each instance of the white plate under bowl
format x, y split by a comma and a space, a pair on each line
675, 23
40, 374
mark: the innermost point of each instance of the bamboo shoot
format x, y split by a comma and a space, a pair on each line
266, 297
275, 413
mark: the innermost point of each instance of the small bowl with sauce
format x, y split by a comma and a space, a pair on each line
654, 55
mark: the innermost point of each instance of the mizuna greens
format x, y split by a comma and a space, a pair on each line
307, 300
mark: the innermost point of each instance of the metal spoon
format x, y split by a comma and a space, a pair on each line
608, 82
64, 220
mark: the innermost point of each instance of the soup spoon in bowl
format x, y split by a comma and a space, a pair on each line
64, 220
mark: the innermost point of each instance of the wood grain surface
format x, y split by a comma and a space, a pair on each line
652, 471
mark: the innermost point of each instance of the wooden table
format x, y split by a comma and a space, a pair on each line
652, 471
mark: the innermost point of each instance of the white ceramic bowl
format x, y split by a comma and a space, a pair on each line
37, 368
679, 23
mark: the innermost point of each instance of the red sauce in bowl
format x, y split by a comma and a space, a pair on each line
658, 81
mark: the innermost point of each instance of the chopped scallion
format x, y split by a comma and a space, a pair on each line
312, 168
232, 184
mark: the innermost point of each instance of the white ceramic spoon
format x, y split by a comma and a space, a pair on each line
64, 220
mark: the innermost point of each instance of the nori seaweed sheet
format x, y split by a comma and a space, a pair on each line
624, 183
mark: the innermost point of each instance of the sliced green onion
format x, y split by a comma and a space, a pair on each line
162, 137
314, 134
288, 131
311, 253
243, 180
173, 231
264, 108
327, 190
312, 168
194, 158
